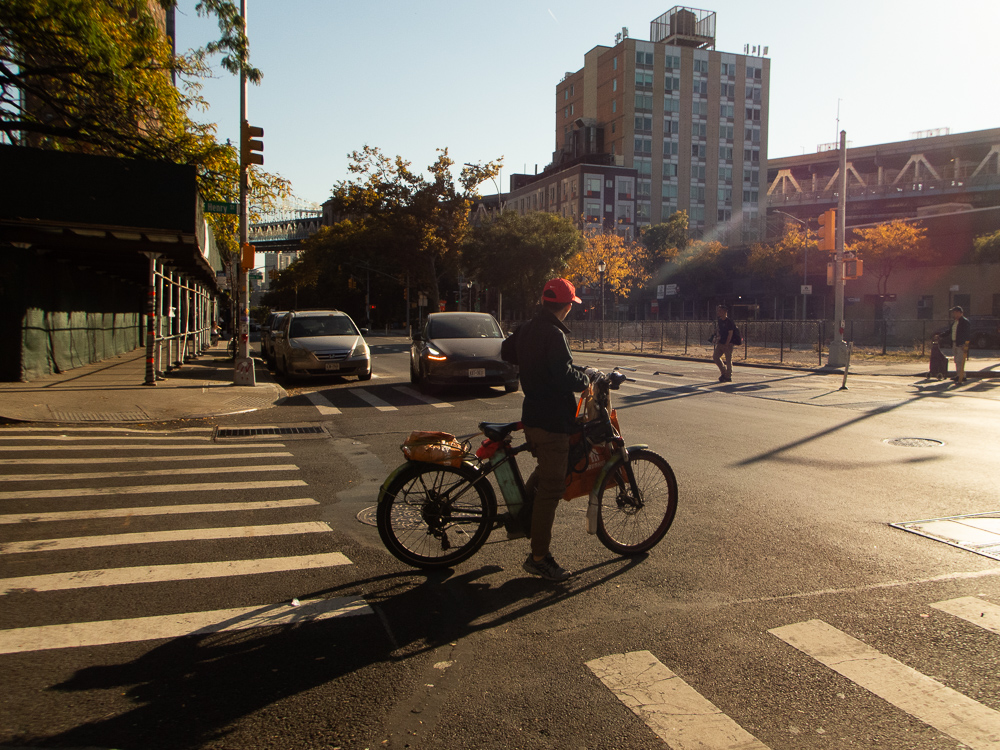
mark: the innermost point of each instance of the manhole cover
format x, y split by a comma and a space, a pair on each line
915, 442
253, 432
367, 516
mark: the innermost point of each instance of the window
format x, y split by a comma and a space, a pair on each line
726, 132
698, 172
669, 190
727, 111
698, 150
644, 189
699, 109
697, 214
643, 79
672, 62
644, 122
725, 195
750, 196
592, 185
643, 166
701, 66
671, 127
643, 144
698, 193
671, 105
728, 90
624, 215
644, 58
669, 169
625, 188
592, 211
725, 214
701, 87
670, 148
725, 174
614, 84
614, 108
671, 83
728, 69
668, 209
642, 212
753, 114
925, 307
614, 63
751, 155
725, 153
644, 102
699, 129
755, 73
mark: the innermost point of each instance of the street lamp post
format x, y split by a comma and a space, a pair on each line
601, 268
805, 262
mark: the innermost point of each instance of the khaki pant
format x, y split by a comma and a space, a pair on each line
960, 353
724, 351
547, 483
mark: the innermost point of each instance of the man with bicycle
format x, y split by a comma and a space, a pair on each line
549, 380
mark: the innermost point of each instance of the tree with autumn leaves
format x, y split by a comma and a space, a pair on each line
884, 247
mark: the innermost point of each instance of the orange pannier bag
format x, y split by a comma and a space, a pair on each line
433, 447
581, 475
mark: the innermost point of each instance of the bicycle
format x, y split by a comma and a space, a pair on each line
435, 515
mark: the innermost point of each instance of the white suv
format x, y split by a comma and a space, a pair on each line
321, 342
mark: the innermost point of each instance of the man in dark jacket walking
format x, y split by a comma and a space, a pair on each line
961, 332
548, 378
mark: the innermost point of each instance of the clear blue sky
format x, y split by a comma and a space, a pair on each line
479, 79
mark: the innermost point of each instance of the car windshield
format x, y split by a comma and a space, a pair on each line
326, 325
464, 327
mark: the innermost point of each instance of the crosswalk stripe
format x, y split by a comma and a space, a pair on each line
81, 579
322, 403
145, 489
100, 633
138, 459
160, 510
179, 535
149, 473
372, 400
189, 447
675, 711
979, 612
933, 703
406, 391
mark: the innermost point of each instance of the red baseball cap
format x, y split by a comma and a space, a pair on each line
560, 291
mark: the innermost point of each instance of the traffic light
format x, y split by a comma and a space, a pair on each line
828, 230
247, 257
854, 269
250, 149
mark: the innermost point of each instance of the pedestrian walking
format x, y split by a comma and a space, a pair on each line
725, 338
961, 331
549, 381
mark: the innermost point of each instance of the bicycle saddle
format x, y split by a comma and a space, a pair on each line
498, 430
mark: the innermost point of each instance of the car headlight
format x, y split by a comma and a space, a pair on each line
434, 355
300, 354
360, 349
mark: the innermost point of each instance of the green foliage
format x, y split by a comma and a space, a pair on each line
986, 248
518, 254
664, 241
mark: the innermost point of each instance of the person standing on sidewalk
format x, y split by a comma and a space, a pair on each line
725, 330
549, 380
961, 331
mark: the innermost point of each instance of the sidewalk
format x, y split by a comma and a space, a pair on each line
113, 391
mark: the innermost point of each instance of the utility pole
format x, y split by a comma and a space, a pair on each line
838, 347
243, 372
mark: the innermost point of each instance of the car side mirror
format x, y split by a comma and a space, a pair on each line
364, 331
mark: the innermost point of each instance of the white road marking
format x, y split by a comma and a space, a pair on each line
979, 612
322, 403
372, 400
924, 698
199, 447
421, 397
179, 535
80, 438
77, 634
138, 459
81, 579
675, 711
145, 489
150, 473
159, 510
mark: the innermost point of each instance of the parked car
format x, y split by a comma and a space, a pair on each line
985, 333
266, 340
321, 342
460, 348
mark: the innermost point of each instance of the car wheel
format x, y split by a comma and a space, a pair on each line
511, 386
414, 377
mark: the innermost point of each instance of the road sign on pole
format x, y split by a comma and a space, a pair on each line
221, 207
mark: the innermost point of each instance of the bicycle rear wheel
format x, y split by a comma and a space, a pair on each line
433, 516
630, 521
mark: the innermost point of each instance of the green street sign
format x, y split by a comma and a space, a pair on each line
220, 207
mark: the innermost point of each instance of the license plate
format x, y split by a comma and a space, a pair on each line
333, 365
477, 372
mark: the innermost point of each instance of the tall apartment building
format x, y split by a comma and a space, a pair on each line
690, 120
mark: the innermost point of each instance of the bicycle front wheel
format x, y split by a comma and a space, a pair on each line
435, 516
631, 520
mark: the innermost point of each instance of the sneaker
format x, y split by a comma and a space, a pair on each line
546, 568
513, 526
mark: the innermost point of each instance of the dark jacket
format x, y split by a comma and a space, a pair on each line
545, 366
964, 332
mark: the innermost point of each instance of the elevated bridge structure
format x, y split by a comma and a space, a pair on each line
284, 230
891, 180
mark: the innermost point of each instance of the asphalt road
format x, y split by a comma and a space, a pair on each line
781, 610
